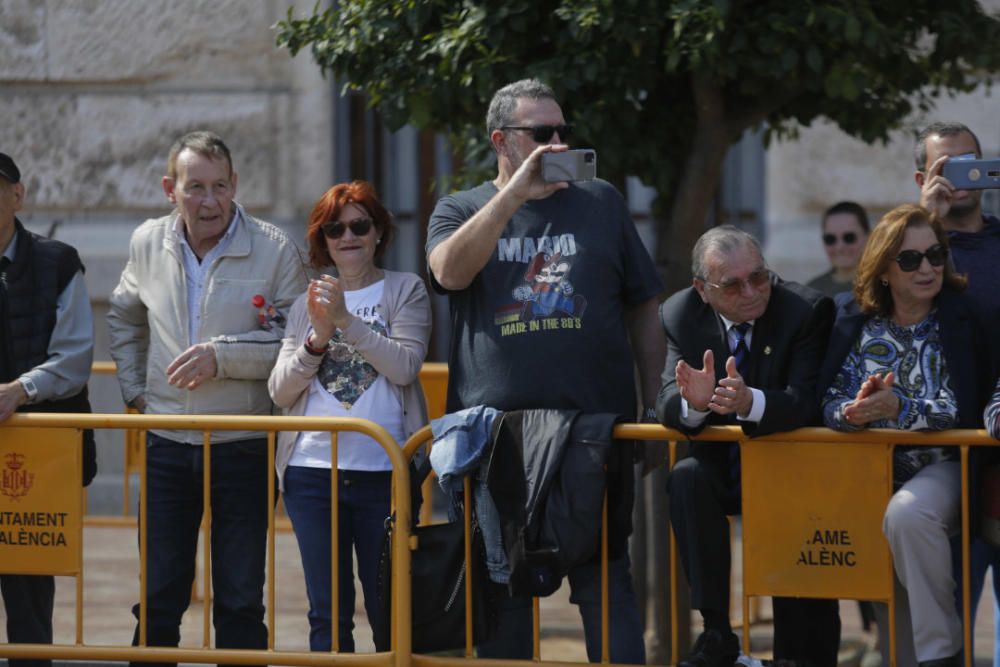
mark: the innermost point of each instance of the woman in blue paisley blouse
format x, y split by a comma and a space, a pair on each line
354, 347
903, 355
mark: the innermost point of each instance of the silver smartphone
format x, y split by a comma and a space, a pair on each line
575, 165
972, 174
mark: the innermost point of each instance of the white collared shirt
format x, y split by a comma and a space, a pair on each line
196, 272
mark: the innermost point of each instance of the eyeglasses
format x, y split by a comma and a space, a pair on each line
910, 260
542, 133
848, 238
334, 229
755, 280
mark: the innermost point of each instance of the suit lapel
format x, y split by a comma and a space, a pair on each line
761, 349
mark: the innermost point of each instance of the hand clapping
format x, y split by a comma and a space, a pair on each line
327, 309
701, 391
875, 400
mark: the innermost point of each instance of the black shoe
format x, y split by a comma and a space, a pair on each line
713, 649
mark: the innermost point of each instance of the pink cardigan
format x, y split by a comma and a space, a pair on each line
399, 357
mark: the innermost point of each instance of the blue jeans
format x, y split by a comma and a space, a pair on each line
239, 537
513, 635
363, 507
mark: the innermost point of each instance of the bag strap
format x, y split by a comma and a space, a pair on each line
420, 472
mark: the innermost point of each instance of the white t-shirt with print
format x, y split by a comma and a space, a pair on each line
348, 386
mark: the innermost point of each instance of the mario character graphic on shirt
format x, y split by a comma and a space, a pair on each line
544, 298
547, 289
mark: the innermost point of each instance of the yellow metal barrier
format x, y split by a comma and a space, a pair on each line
433, 380
809, 456
784, 454
399, 656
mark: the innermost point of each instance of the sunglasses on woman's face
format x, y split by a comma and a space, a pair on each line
334, 229
848, 238
910, 260
542, 133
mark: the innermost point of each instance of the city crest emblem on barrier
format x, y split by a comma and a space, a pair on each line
15, 480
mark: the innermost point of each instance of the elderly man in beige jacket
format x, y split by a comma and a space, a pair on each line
196, 324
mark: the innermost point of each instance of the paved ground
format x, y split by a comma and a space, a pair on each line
111, 588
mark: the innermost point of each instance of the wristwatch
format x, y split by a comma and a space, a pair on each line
30, 390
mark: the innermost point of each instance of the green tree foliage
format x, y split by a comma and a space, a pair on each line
662, 88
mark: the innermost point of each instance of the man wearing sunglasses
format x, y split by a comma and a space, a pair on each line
187, 339
743, 348
553, 299
974, 239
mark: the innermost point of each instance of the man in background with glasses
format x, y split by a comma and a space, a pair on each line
743, 348
196, 323
553, 297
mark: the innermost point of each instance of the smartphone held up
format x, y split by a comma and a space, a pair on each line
968, 173
572, 165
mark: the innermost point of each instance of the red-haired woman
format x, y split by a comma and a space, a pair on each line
354, 347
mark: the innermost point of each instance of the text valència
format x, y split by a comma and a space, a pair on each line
828, 548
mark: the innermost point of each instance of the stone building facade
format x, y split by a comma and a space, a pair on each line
93, 93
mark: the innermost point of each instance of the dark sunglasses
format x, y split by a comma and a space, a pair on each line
910, 260
542, 133
849, 238
334, 229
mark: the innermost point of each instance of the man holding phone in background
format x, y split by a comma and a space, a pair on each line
973, 235
975, 249
552, 295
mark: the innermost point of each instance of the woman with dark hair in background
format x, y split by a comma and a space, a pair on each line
845, 230
907, 353
354, 347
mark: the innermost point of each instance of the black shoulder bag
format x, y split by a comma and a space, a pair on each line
438, 583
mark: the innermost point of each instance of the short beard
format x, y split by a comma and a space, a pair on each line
514, 157
963, 209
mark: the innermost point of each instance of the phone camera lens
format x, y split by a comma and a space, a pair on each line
588, 158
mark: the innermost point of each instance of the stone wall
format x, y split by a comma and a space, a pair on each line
93, 92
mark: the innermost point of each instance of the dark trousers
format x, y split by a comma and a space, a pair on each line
239, 539
701, 498
28, 601
513, 636
363, 507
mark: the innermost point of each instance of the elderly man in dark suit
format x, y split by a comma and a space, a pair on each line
744, 348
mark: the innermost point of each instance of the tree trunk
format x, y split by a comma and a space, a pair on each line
698, 183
